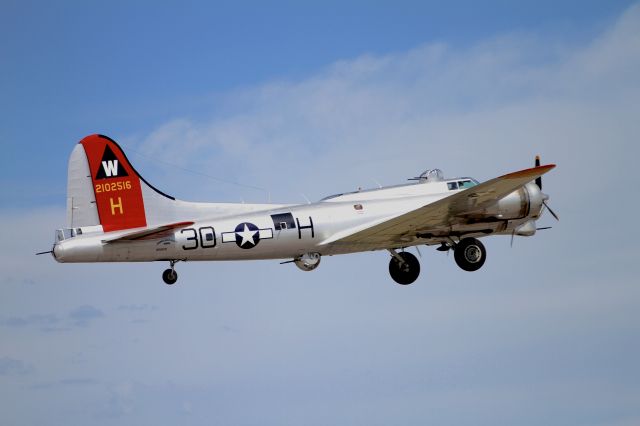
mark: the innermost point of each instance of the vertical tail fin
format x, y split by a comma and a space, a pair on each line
104, 188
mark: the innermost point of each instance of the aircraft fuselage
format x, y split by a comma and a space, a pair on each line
284, 232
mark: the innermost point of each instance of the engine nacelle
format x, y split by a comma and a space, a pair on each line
308, 261
527, 229
524, 202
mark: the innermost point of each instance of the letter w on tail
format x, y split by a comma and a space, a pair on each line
110, 168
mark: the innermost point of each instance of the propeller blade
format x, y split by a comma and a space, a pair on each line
44, 252
513, 234
539, 178
419, 254
543, 228
551, 211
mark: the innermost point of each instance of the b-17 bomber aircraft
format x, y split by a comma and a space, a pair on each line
115, 215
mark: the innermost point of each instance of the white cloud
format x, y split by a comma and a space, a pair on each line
482, 110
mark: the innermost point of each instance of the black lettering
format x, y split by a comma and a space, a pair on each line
300, 228
193, 238
207, 237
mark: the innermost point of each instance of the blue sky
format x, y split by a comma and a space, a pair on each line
311, 99
72, 69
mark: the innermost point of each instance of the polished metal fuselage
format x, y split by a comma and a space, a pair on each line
306, 228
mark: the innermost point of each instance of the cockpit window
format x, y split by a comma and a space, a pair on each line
464, 184
452, 185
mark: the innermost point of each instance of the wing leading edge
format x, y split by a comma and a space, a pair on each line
396, 230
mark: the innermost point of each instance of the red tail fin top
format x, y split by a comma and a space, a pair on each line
116, 185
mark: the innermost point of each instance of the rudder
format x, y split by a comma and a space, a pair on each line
116, 185
103, 187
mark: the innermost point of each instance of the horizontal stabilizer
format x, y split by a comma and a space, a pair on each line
149, 233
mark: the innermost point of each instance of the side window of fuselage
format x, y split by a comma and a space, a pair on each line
283, 221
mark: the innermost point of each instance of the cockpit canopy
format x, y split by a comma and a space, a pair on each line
436, 175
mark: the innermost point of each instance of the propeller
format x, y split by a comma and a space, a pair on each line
551, 211
539, 183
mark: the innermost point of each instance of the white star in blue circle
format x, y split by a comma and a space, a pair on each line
247, 235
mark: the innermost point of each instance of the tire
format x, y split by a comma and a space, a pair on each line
470, 254
407, 272
170, 276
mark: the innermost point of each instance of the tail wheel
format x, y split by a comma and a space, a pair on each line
170, 276
470, 254
404, 272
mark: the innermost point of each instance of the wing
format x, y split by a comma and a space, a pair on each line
148, 233
394, 231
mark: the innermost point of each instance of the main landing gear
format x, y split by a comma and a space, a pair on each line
170, 276
403, 267
469, 254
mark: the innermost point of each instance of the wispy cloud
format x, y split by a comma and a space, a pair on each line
84, 315
66, 383
14, 367
78, 317
37, 320
143, 307
121, 400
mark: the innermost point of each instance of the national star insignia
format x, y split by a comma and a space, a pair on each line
248, 237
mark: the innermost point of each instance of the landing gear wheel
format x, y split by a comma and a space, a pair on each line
170, 276
404, 272
470, 254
